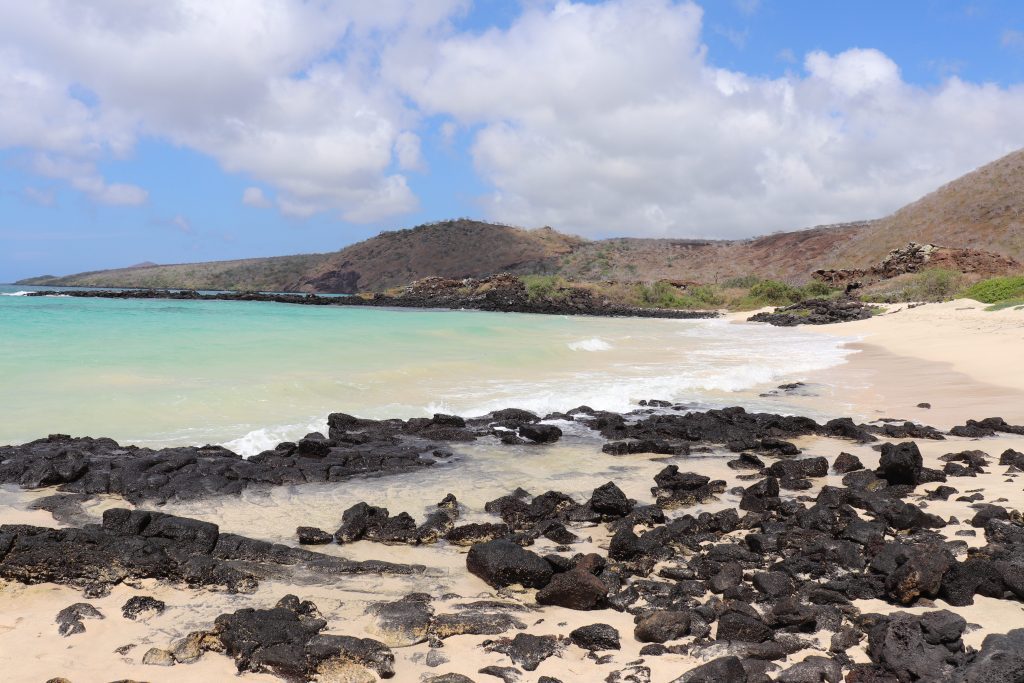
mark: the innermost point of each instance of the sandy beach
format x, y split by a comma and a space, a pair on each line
962, 360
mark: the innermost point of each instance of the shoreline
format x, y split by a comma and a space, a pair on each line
767, 543
954, 355
502, 299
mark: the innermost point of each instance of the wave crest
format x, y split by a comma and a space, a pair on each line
592, 344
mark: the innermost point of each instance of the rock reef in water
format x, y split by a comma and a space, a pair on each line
503, 293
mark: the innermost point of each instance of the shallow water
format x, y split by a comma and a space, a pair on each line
251, 374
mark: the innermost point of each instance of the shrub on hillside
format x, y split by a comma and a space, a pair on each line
662, 294
934, 284
817, 290
741, 282
997, 289
774, 293
543, 287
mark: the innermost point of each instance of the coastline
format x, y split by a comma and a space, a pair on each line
497, 294
890, 373
958, 357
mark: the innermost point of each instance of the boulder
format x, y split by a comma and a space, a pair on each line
502, 563
662, 626
69, 619
577, 588
527, 650
799, 469
609, 500
402, 622
137, 605
813, 669
718, 670
310, 535
846, 463
595, 637
734, 625
901, 463
1001, 659
918, 648
540, 433
919, 576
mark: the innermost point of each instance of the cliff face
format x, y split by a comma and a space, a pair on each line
983, 210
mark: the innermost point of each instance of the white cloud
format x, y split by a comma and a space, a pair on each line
748, 7
1012, 38
254, 196
611, 119
279, 90
39, 196
182, 224
83, 176
600, 118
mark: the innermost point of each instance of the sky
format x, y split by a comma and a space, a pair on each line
185, 130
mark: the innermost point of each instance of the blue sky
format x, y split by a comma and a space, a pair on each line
492, 109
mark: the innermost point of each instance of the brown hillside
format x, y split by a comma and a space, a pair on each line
785, 255
981, 210
457, 249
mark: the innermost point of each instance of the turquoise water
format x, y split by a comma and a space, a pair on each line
251, 374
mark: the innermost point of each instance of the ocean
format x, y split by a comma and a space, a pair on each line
252, 374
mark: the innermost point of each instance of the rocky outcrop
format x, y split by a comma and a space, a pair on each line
285, 640
137, 544
914, 258
816, 312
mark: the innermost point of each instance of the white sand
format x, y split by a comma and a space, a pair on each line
965, 361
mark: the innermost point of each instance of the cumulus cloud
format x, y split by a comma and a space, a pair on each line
611, 118
254, 196
83, 176
280, 90
599, 118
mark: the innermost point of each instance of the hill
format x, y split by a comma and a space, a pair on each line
982, 210
458, 248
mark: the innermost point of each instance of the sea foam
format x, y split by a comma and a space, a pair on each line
259, 440
593, 344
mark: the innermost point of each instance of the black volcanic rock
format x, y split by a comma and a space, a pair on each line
286, 640
540, 433
140, 604
596, 637
901, 463
502, 563
70, 618
501, 292
101, 466
662, 626
577, 588
137, 544
925, 648
527, 650
816, 312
